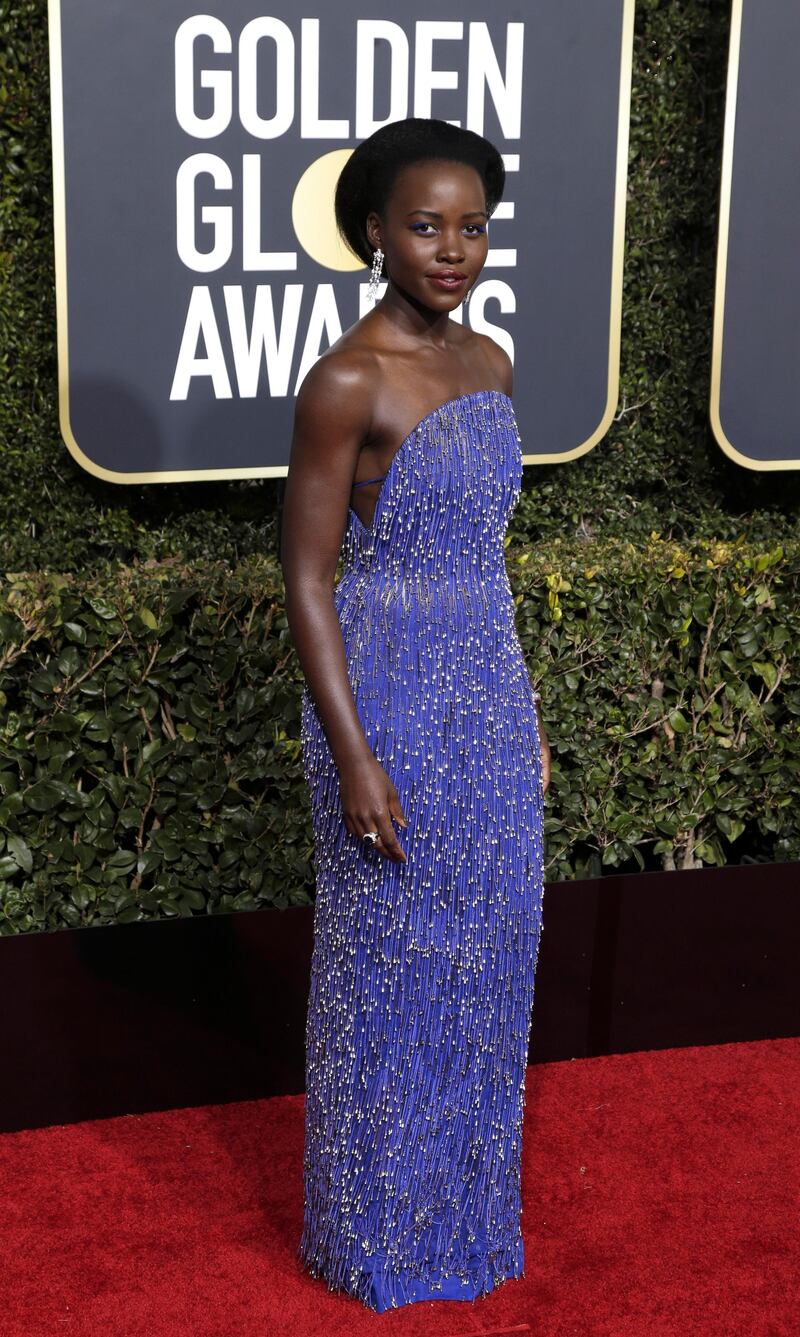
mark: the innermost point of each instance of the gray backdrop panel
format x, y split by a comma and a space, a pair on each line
128, 291
759, 403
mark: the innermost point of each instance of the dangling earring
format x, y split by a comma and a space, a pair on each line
377, 266
466, 299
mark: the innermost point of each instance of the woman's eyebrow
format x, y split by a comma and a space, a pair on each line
473, 213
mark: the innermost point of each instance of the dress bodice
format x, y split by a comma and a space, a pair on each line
446, 498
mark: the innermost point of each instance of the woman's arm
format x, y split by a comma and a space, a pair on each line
331, 421
329, 425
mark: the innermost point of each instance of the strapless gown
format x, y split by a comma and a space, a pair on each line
422, 975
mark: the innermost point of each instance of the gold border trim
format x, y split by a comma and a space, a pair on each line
723, 234
281, 471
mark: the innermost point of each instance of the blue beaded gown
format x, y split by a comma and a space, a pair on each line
422, 973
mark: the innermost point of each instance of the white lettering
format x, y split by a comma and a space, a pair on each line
200, 319
323, 322
368, 33
484, 75
282, 80
202, 127
252, 255
264, 337
493, 290
426, 78
217, 215
311, 127
484, 72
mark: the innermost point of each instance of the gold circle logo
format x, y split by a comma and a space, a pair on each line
313, 215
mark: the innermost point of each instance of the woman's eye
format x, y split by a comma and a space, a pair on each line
416, 227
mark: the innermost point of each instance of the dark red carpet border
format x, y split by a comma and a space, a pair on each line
661, 1196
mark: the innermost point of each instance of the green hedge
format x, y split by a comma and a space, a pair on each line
150, 761
150, 756
658, 467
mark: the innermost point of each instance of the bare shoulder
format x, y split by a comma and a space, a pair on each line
336, 392
499, 361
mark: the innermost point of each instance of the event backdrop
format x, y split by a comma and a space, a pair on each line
755, 387
197, 268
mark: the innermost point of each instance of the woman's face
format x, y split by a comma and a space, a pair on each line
434, 222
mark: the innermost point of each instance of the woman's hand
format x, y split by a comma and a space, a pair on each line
369, 802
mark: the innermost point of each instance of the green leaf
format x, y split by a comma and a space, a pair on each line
75, 632
43, 796
101, 607
69, 662
766, 670
20, 853
121, 859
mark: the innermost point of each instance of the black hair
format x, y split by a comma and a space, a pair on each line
367, 178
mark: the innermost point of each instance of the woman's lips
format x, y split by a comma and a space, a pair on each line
449, 284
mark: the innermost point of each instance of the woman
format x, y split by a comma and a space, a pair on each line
417, 712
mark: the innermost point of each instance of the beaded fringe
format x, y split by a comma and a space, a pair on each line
422, 976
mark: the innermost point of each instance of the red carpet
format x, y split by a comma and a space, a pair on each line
661, 1195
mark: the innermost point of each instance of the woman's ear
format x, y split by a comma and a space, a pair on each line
373, 230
